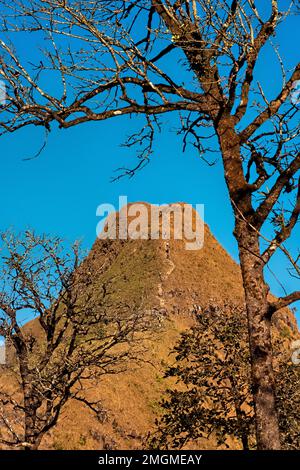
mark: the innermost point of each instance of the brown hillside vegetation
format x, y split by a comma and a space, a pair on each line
173, 282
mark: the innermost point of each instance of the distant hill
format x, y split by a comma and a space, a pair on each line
174, 282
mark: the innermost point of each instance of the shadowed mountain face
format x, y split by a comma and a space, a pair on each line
173, 282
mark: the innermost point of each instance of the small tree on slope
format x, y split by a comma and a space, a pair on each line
212, 396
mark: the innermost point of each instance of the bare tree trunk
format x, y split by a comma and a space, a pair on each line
259, 324
256, 290
29, 420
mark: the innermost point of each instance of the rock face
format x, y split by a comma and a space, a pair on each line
174, 283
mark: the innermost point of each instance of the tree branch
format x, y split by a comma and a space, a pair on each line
272, 109
267, 205
283, 302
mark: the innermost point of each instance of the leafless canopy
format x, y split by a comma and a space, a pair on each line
114, 58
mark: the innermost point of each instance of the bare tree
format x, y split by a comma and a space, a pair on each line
76, 336
109, 59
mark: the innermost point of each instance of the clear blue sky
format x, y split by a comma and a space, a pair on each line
59, 191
